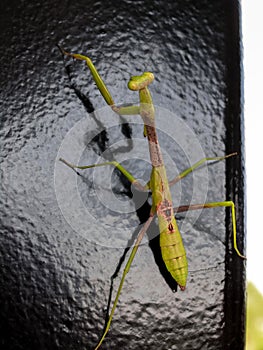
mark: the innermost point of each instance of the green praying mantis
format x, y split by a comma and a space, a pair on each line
171, 244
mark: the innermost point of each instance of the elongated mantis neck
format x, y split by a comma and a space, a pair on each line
147, 114
154, 148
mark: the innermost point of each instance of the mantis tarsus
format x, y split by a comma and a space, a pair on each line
172, 248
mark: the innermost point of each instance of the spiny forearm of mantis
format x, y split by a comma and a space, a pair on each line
172, 248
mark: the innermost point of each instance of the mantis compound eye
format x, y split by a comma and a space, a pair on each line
141, 81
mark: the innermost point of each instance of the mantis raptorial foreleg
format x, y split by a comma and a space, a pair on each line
125, 271
231, 204
125, 110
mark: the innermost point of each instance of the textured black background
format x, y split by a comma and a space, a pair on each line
54, 281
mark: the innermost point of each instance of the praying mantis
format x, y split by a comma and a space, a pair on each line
171, 243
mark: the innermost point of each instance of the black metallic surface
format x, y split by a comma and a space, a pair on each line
54, 281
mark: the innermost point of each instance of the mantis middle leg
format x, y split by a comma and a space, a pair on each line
198, 165
125, 172
184, 208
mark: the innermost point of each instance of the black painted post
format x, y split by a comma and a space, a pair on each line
56, 261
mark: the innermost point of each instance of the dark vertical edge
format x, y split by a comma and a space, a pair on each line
234, 293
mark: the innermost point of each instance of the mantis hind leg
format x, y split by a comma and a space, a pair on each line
198, 165
125, 271
214, 205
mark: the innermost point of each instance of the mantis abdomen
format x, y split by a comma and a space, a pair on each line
173, 253
171, 243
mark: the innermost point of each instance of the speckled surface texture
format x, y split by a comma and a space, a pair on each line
56, 260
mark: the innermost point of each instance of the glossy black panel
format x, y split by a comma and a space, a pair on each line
56, 265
